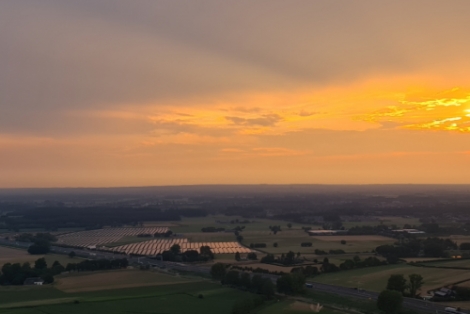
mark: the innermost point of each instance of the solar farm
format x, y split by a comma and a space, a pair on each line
154, 247
101, 237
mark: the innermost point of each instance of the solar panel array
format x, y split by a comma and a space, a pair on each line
103, 236
154, 247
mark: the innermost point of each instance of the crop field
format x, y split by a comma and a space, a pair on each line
115, 280
179, 298
153, 247
290, 240
375, 278
103, 236
12, 255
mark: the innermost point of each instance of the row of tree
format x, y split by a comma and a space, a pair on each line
16, 274
98, 264
212, 229
175, 254
287, 283
255, 283
412, 247
398, 282
290, 258
41, 242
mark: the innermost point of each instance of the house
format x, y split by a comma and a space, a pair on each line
33, 281
443, 293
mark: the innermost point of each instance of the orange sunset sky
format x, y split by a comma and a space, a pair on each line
132, 93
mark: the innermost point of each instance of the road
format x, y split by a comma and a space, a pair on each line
412, 304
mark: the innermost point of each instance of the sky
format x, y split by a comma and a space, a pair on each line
98, 93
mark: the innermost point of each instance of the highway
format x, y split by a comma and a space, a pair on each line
412, 304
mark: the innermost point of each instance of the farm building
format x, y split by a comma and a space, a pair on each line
326, 232
33, 281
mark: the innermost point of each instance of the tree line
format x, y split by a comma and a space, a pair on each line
174, 254
98, 264
16, 273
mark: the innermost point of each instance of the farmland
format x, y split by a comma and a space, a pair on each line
116, 279
174, 298
12, 255
375, 278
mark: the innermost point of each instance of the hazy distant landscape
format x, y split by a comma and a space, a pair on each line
136, 243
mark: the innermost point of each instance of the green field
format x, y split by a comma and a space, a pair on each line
176, 298
375, 278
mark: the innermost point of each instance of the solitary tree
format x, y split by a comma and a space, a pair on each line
40, 263
268, 288
232, 278
218, 271
289, 225
237, 256
175, 249
257, 282
245, 280
207, 252
252, 256
72, 254
397, 283
291, 283
390, 301
416, 281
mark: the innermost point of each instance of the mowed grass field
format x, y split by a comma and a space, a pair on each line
375, 278
178, 298
451, 263
13, 255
